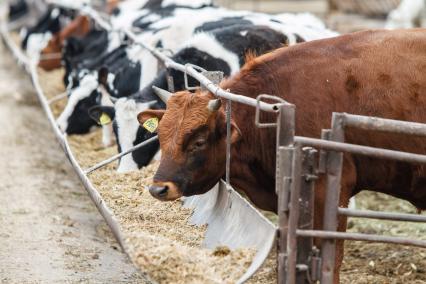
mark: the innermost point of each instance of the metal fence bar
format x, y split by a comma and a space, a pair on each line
334, 166
382, 124
293, 216
306, 216
361, 237
285, 140
362, 150
119, 155
382, 215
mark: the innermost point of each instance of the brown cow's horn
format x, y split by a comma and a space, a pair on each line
214, 105
162, 94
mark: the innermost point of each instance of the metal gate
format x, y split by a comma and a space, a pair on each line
299, 261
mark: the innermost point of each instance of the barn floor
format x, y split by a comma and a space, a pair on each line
384, 263
50, 232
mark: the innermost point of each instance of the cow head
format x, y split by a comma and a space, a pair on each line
192, 135
128, 133
52, 52
50, 55
75, 118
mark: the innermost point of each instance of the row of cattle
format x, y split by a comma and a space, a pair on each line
108, 75
372, 73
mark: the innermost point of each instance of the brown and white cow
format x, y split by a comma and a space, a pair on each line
374, 73
80, 26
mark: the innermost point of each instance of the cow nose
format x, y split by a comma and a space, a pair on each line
158, 191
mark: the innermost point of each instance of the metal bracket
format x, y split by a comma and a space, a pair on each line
315, 266
185, 76
257, 114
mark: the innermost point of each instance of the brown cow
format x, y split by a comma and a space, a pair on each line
374, 73
80, 26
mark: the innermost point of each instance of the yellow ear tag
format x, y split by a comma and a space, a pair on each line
151, 124
104, 119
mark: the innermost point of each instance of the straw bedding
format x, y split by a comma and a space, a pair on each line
158, 237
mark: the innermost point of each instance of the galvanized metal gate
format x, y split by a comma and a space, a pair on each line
298, 259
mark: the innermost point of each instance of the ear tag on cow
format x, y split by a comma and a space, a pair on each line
151, 124
104, 119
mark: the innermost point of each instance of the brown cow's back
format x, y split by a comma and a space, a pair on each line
374, 73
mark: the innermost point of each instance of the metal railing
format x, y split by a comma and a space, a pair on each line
299, 261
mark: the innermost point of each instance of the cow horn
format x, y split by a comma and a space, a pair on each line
214, 105
162, 94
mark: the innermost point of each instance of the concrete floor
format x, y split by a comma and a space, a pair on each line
50, 231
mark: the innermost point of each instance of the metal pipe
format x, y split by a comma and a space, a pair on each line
119, 155
334, 165
228, 142
383, 124
361, 237
306, 215
391, 216
285, 150
293, 216
362, 150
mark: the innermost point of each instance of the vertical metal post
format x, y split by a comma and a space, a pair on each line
306, 215
170, 82
334, 175
293, 215
285, 140
228, 141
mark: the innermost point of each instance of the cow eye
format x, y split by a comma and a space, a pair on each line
199, 144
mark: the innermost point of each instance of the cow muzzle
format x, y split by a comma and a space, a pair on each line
165, 191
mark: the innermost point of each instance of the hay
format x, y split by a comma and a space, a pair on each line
158, 236
384, 263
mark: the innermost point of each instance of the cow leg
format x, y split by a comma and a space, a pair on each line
418, 187
347, 186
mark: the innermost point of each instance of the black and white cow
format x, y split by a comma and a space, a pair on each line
81, 53
168, 32
221, 49
85, 93
35, 38
17, 9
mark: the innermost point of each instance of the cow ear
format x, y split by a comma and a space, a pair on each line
235, 133
149, 119
103, 115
